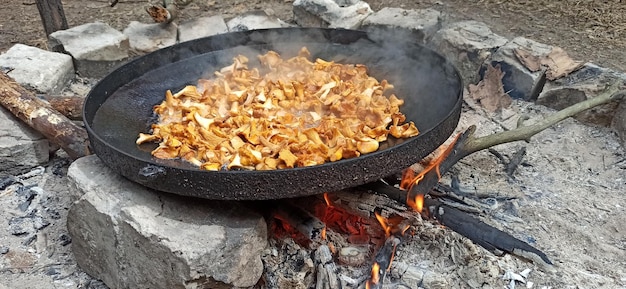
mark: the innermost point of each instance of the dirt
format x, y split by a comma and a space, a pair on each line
567, 197
589, 30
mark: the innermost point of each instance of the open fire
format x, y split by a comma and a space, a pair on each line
310, 225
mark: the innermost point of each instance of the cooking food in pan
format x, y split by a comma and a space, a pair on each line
287, 113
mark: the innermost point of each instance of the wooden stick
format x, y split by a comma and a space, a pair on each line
39, 115
468, 144
52, 15
483, 234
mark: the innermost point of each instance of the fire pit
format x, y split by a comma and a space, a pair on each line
120, 107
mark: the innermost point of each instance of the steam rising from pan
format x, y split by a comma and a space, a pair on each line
120, 106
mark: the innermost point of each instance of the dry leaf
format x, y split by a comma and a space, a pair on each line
557, 63
532, 62
490, 91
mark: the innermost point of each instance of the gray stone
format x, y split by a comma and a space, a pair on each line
518, 81
44, 71
201, 27
96, 47
132, 237
468, 44
422, 24
21, 147
145, 38
580, 85
254, 20
327, 13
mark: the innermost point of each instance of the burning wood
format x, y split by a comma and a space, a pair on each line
394, 230
382, 262
39, 115
302, 221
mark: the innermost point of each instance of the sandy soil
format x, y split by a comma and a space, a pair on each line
567, 198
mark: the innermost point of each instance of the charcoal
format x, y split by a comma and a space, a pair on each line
5, 182
65, 239
26, 195
17, 226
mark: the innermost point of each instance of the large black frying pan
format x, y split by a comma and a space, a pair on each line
120, 107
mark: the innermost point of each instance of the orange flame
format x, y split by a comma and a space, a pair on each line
327, 199
383, 223
409, 179
375, 276
416, 203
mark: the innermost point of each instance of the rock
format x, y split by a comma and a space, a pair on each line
518, 81
96, 47
467, 44
201, 27
145, 38
421, 24
254, 20
129, 236
583, 84
327, 13
41, 70
21, 147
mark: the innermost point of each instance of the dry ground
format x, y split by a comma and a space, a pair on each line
589, 30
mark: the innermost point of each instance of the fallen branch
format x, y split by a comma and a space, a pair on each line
467, 144
43, 118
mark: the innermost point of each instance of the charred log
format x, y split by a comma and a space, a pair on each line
52, 15
382, 262
483, 234
468, 226
304, 222
327, 277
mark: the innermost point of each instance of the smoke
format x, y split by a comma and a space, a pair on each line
429, 85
